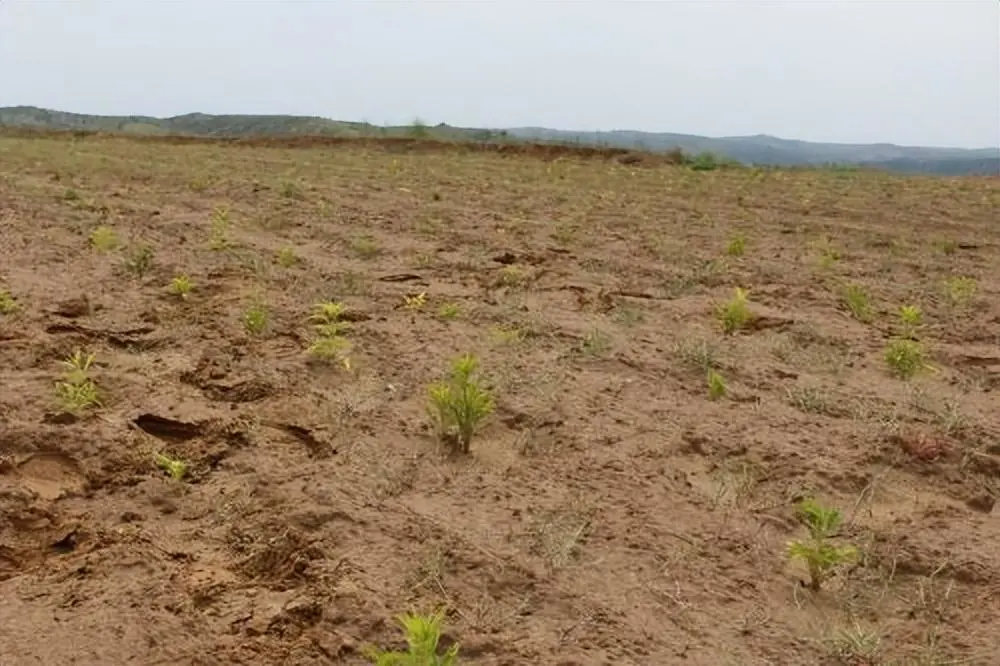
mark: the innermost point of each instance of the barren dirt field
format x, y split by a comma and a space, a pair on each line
235, 480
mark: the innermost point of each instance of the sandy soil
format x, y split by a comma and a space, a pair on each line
609, 511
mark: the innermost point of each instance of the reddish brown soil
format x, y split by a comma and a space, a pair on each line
609, 512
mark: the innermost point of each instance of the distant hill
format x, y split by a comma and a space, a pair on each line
759, 149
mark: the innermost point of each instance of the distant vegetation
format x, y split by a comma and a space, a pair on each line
760, 149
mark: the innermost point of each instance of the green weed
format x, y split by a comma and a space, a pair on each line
104, 239
181, 287
218, 238
7, 303
960, 290
287, 258
459, 404
140, 261
716, 385
819, 554
911, 319
905, 358
737, 245
175, 467
255, 319
735, 314
449, 311
423, 634
77, 391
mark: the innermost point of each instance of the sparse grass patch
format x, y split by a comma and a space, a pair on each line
855, 645
857, 301
629, 316
512, 276
365, 247
960, 290
104, 239
139, 261
255, 319
699, 354
819, 554
735, 314
595, 343
905, 358
459, 404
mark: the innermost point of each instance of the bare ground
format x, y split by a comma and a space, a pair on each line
609, 511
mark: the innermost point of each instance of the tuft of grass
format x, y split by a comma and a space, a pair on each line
855, 645
329, 344
7, 303
423, 634
905, 358
365, 247
820, 555
286, 257
459, 404
255, 319
857, 301
735, 314
175, 467
595, 343
181, 286
700, 354
218, 237
737, 245
104, 239
511, 276
716, 385
77, 391
960, 290
140, 261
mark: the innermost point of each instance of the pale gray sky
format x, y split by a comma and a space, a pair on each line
903, 71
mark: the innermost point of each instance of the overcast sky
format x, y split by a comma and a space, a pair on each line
903, 71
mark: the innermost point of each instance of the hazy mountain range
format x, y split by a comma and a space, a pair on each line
759, 149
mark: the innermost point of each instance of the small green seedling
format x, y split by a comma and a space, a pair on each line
7, 303
449, 311
735, 313
175, 467
960, 290
255, 319
911, 318
104, 239
77, 391
905, 358
218, 238
737, 245
365, 247
595, 343
819, 554
459, 404
140, 261
716, 385
287, 258
181, 286
858, 303
423, 634
327, 317
330, 348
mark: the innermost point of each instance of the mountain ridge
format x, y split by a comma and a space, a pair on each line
761, 149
